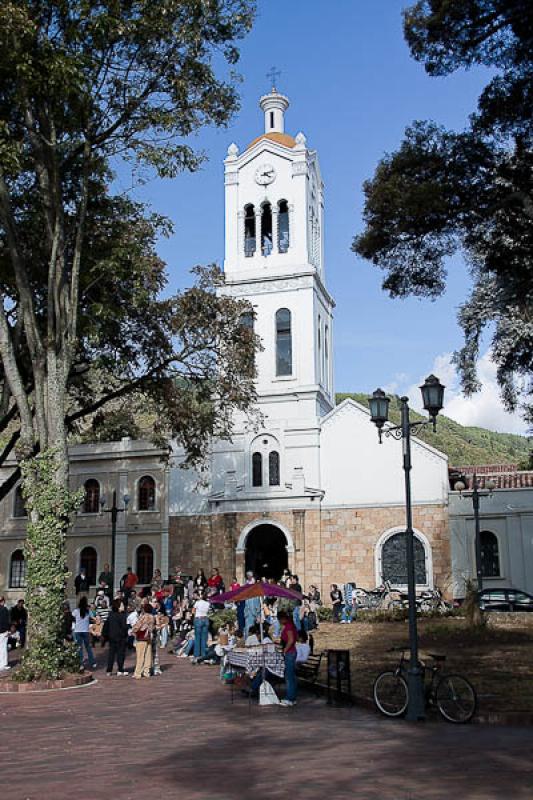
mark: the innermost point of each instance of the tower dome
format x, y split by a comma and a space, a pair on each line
274, 106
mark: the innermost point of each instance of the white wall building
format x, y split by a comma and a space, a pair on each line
313, 489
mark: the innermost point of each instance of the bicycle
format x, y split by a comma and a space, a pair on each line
453, 696
374, 599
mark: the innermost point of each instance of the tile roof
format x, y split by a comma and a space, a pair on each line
503, 476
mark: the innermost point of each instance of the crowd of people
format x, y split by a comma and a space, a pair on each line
176, 614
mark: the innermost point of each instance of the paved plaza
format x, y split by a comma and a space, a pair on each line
179, 736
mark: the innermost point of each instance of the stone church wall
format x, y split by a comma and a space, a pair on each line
328, 545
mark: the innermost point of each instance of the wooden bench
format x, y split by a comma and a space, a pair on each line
309, 670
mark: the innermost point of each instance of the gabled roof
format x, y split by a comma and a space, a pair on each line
349, 403
280, 138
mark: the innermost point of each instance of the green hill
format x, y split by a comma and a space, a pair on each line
463, 445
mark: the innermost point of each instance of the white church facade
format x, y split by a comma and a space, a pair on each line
312, 489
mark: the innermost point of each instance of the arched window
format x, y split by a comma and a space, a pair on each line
283, 342
88, 560
394, 560
283, 226
19, 506
247, 320
266, 229
145, 563
146, 494
490, 555
257, 469
17, 570
91, 499
273, 468
249, 230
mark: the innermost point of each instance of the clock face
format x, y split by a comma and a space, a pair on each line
265, 174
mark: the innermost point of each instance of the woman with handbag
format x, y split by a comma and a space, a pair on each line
142, 630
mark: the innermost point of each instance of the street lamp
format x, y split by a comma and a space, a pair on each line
114, 511
432, 398
476, 495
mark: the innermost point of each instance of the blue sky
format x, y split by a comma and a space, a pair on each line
353, 89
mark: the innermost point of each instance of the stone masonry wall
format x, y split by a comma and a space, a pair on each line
330, 545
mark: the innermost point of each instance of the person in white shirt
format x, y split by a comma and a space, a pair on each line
82, 619
201, 625
131, 619
303, 649
252, 640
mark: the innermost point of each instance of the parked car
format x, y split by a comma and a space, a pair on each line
505, 600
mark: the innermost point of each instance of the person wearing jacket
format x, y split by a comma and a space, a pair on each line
116, 632
81, 581
142, 630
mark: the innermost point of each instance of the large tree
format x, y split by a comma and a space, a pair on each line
471, 191
84, 85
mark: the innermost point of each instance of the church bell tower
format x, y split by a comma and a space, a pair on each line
274, 257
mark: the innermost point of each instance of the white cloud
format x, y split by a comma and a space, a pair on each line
483, 409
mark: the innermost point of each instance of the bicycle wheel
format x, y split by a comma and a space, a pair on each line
456, 699
391, 694
394, 605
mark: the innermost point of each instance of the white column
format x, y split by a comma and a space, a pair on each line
258, 232
292, 227
275, 233
240, 235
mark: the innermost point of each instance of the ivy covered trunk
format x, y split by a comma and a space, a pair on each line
50, 506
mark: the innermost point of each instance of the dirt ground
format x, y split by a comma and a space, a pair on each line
498, 660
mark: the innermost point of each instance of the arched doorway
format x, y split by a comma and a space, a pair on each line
266, 551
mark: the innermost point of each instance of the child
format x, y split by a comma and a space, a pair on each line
303, 648
13, 638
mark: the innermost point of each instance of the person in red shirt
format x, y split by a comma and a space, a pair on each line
128, 583
288, 637
215, 581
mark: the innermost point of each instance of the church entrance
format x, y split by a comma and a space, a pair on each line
266, 552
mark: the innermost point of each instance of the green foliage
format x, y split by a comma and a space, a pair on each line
50, 507
444, 192
324, 614
221, 618
463, 445
83, 86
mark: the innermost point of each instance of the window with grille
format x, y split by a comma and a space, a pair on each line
283, 342
490, 555
91, 500
257, 469
146, 493
17, 570
394, 560
273, 468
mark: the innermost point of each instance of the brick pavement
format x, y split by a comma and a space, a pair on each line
178, 736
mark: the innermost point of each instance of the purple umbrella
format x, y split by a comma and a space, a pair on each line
259, 589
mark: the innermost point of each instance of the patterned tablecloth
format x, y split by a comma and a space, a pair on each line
250, 659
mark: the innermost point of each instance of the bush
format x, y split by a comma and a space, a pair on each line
222, 617
324, 614
382, 615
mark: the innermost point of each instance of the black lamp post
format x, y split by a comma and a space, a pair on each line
432, 398
476, 494
114, 511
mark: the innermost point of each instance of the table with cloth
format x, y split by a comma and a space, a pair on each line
251, 659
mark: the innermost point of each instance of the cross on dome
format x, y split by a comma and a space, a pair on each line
272, 75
